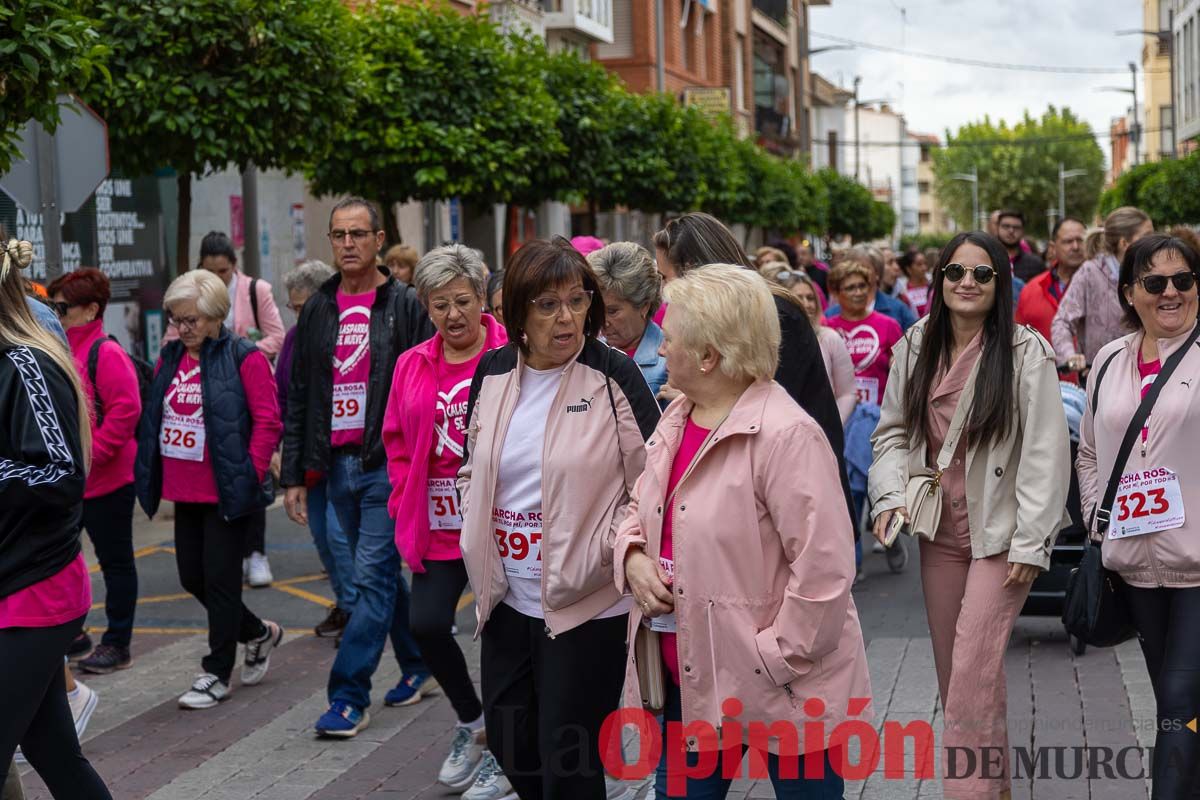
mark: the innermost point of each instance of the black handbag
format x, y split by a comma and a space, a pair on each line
1094, 611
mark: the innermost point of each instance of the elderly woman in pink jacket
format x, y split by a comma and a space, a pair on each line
736, 554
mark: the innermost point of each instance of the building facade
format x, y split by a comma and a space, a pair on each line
931, 216
1157, 141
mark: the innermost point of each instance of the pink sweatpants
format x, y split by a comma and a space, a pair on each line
971, 618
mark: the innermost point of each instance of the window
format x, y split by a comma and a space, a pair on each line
770, 87
908, 176
1164, 15
739, 74
923, 187
1166, 139
925, 217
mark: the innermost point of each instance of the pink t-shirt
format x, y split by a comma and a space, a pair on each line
188, 475
693, 440
351, 367
919, 297
1147, 372
870, 343
54, 601
449, 434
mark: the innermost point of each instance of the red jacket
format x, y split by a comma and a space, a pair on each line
1037, 305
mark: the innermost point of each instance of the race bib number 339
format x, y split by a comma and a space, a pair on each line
1148, 501
349, 406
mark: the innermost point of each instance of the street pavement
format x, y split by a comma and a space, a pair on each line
259, 744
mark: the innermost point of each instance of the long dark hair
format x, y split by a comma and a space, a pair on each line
991, 415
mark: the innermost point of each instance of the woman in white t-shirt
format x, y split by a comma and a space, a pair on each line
557, 424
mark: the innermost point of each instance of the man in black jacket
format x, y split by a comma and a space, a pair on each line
1010, 229
350, 334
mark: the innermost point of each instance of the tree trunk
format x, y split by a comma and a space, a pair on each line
593, 211
391, 228
183, 232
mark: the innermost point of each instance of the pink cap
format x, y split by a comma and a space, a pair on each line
586, 244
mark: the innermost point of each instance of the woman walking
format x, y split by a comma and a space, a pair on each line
974, 399
632, 290
205, 442
45, 591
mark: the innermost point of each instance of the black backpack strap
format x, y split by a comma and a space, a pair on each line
1104, 513
1099, 377
92, 365
608, 385
254, 301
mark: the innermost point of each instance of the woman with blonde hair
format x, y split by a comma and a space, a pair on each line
45, 591
833, 347
736, 541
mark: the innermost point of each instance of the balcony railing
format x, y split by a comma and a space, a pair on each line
591, 18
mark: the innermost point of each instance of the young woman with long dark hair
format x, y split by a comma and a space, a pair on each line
1003, 483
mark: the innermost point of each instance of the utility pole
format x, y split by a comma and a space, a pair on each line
972, 178
660, 49
857, 142
1063, 175
1137, 137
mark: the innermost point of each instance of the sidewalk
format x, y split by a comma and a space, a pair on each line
259, 744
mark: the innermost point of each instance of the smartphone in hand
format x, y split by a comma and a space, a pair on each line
895, 525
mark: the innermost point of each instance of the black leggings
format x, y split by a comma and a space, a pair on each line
109, 523
36, 714
1168, 624
256, 533
435, 594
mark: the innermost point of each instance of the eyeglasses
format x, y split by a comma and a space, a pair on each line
1011, 226
183, 323
982, 273
855, 289
1157, 284
441, 308
578, 303
337, 235
61, 308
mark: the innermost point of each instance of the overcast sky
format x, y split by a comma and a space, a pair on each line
935, 96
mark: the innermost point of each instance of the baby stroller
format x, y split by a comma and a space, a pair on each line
1050, 588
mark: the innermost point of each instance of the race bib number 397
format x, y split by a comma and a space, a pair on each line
1148, 501
519, 540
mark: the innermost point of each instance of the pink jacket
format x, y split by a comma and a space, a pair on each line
1089, 315
408, 438
763, 565
270, 323
1166, 558
114, 443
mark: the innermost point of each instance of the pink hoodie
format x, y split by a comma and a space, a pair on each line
408, 438
114, 443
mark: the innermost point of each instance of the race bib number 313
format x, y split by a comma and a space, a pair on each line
519, 540
1148, 501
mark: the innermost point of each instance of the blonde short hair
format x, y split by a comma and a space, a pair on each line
731, 310
203, 288
847, 269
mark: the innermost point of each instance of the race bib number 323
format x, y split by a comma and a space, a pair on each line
1148, 501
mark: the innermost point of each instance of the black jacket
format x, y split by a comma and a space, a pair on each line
1028, 266
227, 428
802, 373
398, 322
41, 469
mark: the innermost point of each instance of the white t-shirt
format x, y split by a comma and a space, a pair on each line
230, 322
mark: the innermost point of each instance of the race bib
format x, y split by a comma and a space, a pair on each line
182, 437
1148, 501
519, 539
866, 389
444, 513
666, 622
349, 406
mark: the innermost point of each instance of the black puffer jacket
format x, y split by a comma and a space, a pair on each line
41, 469
398, 322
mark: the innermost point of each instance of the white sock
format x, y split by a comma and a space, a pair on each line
474, 726
74, 692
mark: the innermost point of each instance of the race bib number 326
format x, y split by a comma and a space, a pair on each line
1148, 501
519, 540
182, 437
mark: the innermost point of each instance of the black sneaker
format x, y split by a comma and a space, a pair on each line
106, 658
333, 624
80, 647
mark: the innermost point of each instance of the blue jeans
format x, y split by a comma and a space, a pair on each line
360, 500
333, 546
715, 787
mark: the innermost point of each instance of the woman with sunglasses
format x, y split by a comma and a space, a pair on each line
1151, 540
1003, 486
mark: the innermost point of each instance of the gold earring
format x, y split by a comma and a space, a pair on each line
703, 369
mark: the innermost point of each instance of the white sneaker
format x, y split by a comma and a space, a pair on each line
206, 692
490, 784
258, 571
83, 703
258, 654
465, 760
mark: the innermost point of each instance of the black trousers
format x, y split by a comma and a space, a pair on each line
208, 552
435, 594
544, 701
256, 533
36, 714
1168, 624
109, 523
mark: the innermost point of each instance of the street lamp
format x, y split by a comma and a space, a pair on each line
1062, 186
1165, 38
972, 178
1134, 131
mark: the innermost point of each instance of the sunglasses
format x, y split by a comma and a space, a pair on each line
61, 308
982, 273
1157, 284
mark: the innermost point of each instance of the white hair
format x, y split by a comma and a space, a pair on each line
308, 276
628, 269
448, 263
202, 287
730, 309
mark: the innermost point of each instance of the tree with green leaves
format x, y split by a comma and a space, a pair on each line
451, 107
47, 48
1169, 191
199, 85
851, 207
1018, 167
